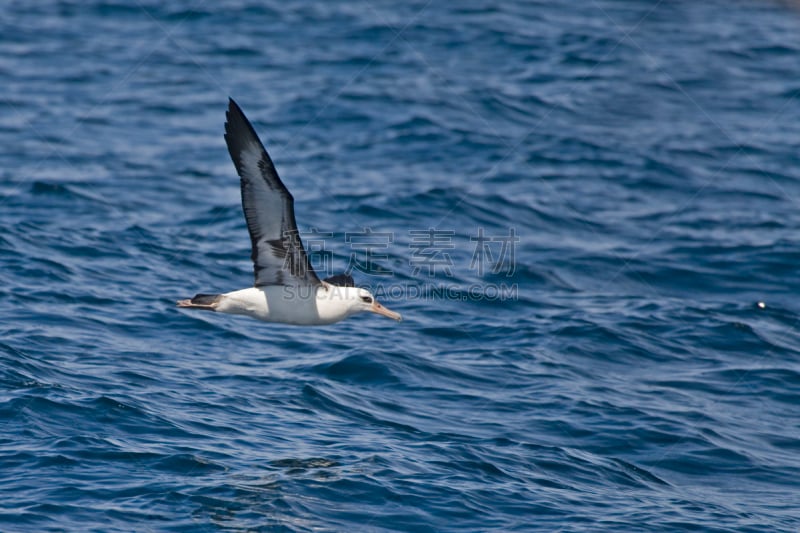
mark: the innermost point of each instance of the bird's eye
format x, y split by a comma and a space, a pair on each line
366, 299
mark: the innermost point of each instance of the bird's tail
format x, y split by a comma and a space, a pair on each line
202, 301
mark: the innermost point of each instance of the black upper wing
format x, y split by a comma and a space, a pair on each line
278, 254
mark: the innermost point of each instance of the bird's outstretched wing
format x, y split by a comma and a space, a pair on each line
278, 254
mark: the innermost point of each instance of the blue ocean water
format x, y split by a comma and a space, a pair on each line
587, 214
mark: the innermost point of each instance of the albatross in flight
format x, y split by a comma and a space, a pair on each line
287, 289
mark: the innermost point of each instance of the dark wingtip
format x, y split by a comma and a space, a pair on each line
234, 118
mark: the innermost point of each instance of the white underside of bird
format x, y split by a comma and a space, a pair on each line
301, 306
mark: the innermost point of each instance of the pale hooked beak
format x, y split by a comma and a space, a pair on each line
381, 310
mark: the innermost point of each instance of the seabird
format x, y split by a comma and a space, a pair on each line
287, 290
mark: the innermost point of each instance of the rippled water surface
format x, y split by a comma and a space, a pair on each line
587, 214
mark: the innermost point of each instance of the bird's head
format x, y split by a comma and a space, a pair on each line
365, 301
352, 300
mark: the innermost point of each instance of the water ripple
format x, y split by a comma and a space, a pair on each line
642, 375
